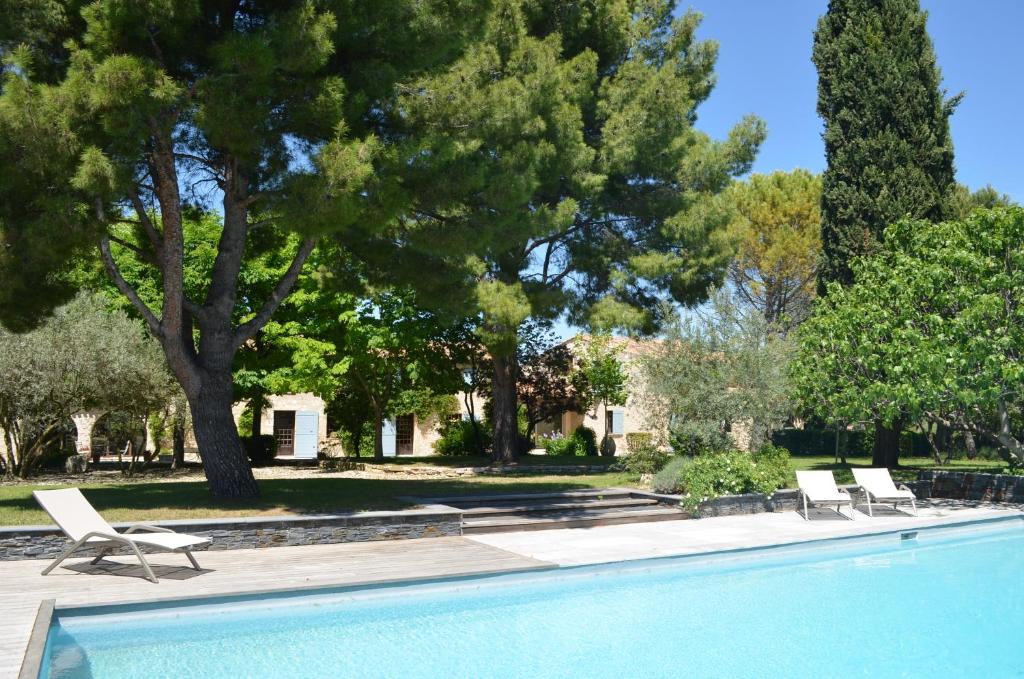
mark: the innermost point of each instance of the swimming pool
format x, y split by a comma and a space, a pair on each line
945, 604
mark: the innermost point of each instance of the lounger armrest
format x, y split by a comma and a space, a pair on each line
151, 529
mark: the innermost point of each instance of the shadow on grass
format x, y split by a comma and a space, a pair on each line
136, 501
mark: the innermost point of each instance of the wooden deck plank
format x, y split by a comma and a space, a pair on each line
118, 579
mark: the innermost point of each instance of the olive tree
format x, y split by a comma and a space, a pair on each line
82, 358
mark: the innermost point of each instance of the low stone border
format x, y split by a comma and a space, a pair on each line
43, 542
969, 486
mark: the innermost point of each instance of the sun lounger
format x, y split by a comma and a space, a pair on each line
819, 488
878, 487
83, 524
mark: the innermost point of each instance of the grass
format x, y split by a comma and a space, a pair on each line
909, 467
190, 500
477, 461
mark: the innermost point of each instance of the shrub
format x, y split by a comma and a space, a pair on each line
695, 438
586, 440
643, 460
732, 473
639, 439
669, 479
459, 437
773, 465
556, 444
260, 450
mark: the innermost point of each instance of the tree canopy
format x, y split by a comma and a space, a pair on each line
932, 329
576, 182
270, 113
777, 232
887, 144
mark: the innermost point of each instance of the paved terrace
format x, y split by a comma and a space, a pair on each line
118, 579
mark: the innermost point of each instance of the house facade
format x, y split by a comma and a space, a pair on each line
620, 420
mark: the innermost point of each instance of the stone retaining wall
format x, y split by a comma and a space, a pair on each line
970, 486
784, 500
43, 542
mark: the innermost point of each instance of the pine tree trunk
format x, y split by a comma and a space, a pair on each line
886, 451
224, 461
503, 410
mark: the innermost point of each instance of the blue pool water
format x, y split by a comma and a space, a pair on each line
946, 604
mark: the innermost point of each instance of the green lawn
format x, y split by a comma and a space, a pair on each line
139, 501
474, 461
909, 467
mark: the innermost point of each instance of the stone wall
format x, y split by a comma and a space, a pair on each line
970, 486
784, 500
46, 542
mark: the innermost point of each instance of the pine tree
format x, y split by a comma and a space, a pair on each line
124, 113
887, 140
576, 183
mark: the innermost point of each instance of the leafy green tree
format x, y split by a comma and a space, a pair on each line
777, 232
602, 378
931, 329
401, 358
720, 370
272, 112
82, 358
887, 140
575, 180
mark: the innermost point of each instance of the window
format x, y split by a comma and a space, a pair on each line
615, 422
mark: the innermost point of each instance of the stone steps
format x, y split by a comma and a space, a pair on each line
569, 509
580, 518
519, 507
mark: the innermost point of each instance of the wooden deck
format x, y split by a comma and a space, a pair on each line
119, 579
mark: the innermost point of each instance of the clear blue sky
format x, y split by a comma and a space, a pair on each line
764, 68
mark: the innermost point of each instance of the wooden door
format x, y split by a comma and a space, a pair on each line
284, 431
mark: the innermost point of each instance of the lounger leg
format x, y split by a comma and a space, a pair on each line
806, 517
145, 564
867, 495
914, 505
65, 554
99, 557
191, 558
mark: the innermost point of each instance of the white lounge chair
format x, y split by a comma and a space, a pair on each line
83, 524
819, 488
878, 487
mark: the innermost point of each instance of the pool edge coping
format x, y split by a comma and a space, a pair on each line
48, 608
35, 650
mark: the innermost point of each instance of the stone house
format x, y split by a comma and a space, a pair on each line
631, 417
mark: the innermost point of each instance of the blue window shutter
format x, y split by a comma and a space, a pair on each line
306, 433
618, 422
388, 437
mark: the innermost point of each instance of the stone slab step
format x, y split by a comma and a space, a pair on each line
572, 519
466, 501
520, 507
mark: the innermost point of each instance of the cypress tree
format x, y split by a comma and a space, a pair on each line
887, 141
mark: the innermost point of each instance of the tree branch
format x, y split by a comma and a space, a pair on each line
155, 239
139, 252
128, 291
248, 330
